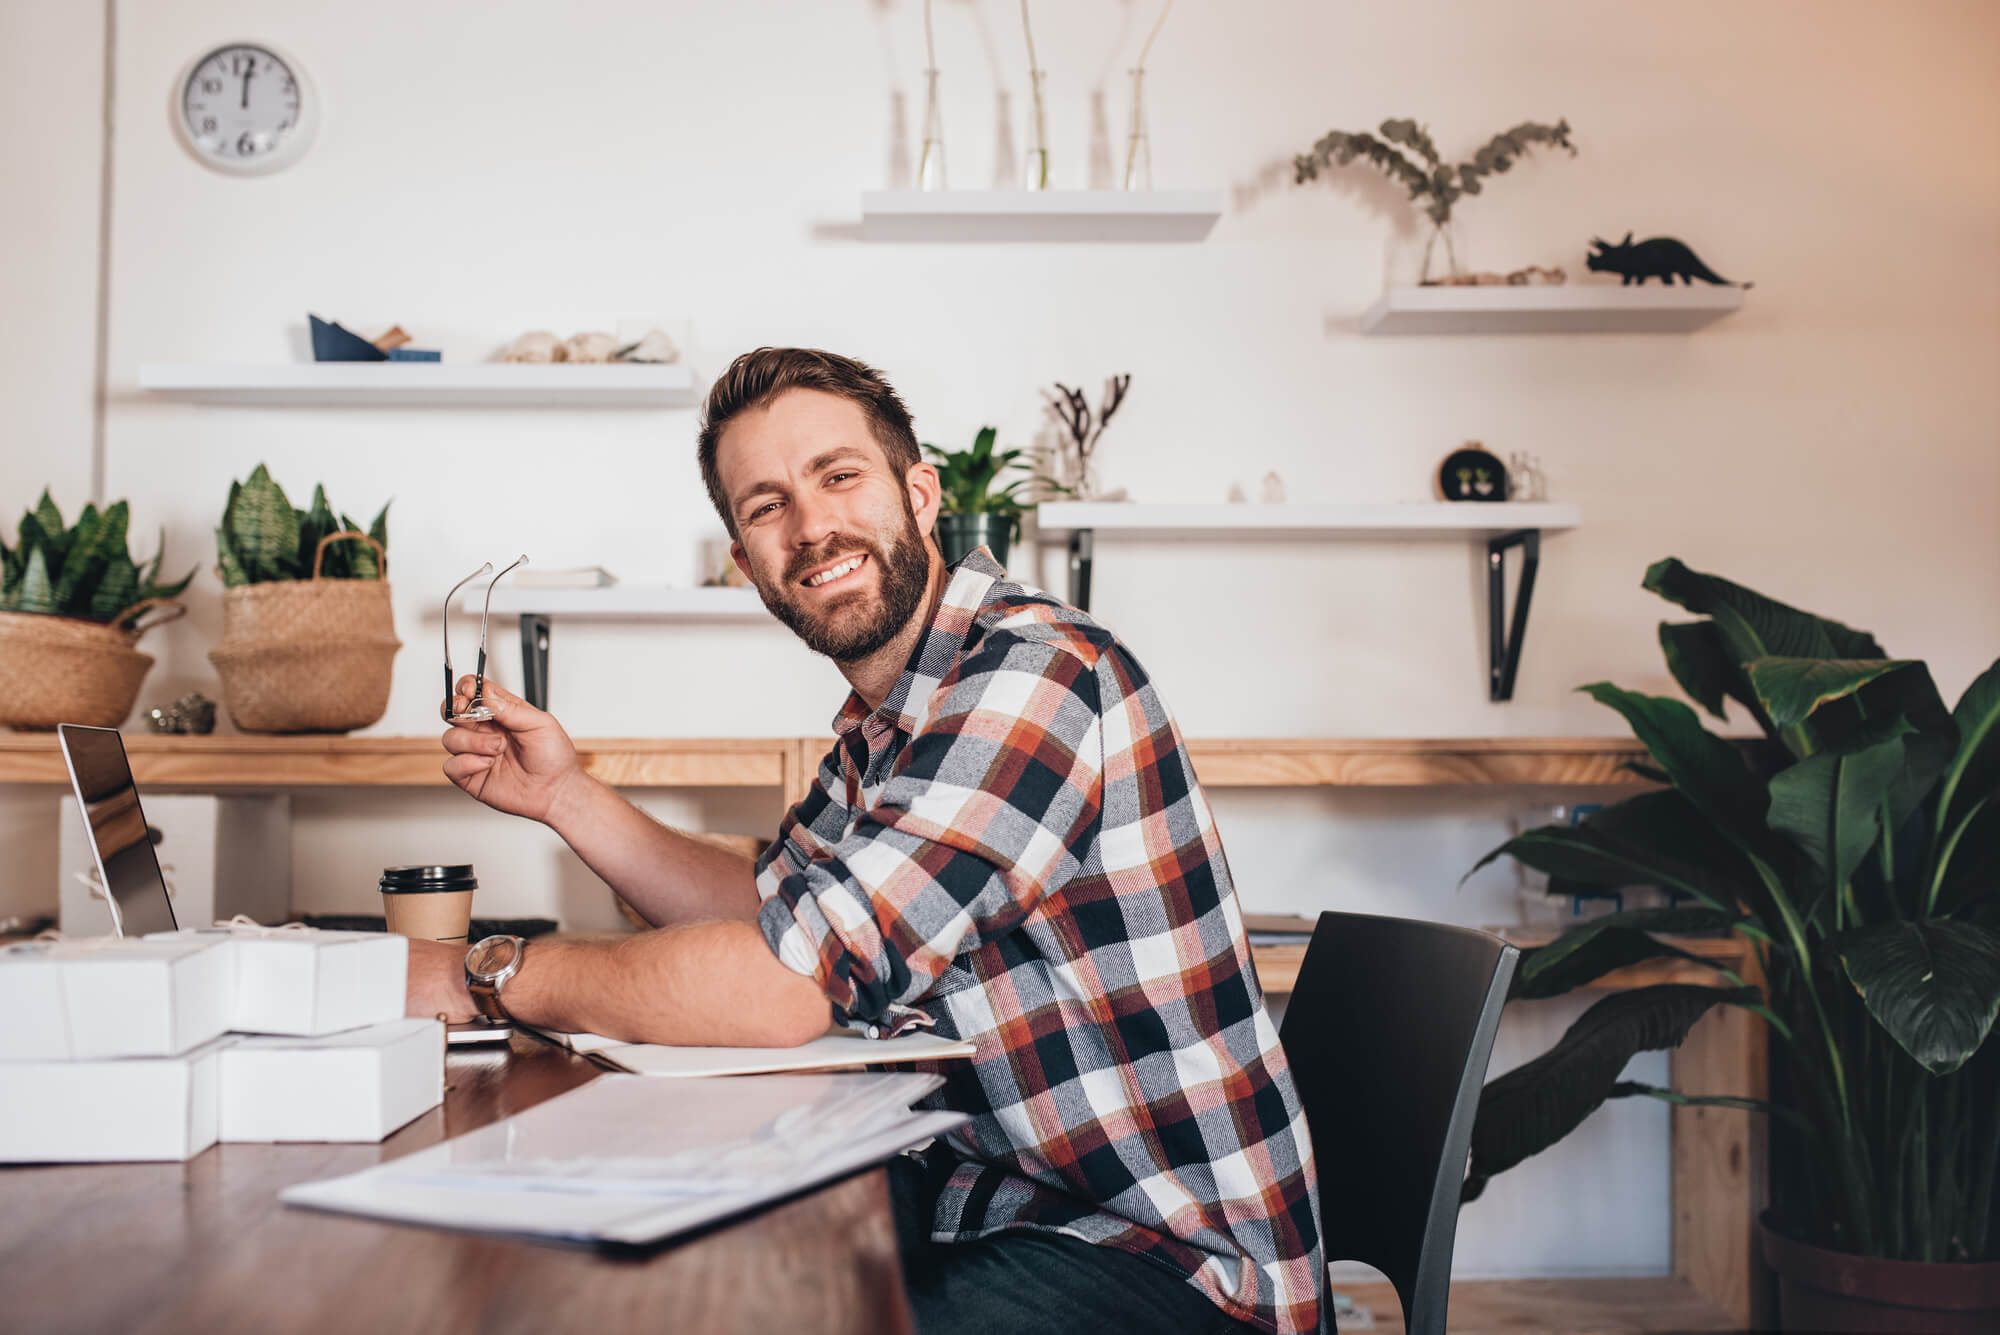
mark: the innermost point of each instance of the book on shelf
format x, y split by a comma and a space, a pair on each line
577, 577
1277, 929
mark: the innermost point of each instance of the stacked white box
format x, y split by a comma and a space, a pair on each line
125, 1110
104, 997
303, 982
358, 1085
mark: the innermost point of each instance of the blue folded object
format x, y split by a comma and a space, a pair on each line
415, 355
331, 343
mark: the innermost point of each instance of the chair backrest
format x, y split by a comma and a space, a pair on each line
1388, 1032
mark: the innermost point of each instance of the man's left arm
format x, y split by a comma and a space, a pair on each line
703, 983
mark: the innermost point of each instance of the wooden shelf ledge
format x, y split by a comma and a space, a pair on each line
788, 762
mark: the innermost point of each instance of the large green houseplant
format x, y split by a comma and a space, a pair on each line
73, 604
1857, 846
978, 510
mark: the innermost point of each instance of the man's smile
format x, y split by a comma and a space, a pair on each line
839, 572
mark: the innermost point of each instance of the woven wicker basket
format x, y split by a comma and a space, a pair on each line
308, 655
67, 670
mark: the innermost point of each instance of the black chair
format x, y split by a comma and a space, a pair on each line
1388, 1032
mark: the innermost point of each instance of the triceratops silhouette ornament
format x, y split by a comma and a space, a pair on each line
1660, 257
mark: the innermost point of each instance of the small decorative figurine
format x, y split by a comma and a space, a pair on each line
192, 713
1660, 257
1526, 480
1273, 490
1471, 474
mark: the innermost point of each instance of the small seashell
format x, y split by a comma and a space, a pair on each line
537, 345
589, 347
655, 346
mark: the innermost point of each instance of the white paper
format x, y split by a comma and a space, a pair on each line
629, 1160
835, 1051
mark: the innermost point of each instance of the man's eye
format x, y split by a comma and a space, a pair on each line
763, 510
841, 477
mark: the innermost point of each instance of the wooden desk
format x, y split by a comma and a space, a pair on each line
205, 1246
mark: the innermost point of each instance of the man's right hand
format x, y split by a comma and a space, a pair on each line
521, 762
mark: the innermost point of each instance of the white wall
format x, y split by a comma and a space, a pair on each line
487, 168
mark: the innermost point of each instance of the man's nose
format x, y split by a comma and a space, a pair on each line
813, 521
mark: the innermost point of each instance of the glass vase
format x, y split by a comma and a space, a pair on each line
1035, 175
930, 165
1138, 143
1440, 255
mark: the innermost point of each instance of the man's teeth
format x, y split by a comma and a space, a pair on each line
834, 572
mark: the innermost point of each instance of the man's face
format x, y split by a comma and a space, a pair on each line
831, 534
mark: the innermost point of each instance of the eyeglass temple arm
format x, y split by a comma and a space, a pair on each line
479, 675
446, 620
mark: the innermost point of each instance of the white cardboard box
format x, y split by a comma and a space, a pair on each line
131, 1109
359, 1085
102, 997
228, 854
307, 982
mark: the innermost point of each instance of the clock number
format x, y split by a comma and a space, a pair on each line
245, 145
291, 86
208, 125
211, 85
242, 64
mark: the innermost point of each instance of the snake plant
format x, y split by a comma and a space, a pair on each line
262, 536
84, 572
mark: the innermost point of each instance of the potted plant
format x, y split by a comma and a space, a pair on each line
1857, 846
308, 634
73, 604
976, 510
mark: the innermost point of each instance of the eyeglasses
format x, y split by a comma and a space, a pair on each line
477, 712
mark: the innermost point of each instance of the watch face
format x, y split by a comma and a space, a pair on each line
493, 956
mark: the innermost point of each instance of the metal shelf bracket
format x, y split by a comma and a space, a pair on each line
1504, 643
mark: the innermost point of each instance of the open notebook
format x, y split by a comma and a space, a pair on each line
632, 1161
842, 1049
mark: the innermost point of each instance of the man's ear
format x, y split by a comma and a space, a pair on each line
926, 495
742, 560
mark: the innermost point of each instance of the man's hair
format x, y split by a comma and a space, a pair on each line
756, 378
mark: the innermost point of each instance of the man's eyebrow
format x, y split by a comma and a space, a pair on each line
820, 462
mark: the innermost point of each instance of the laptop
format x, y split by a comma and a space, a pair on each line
119, 838
122, 845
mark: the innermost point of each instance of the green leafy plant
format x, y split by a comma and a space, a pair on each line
1857, 846
1406, 153
85, 572
971, 478
262, 537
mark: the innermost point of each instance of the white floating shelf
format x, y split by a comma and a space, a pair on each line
1056, 520
1039, 215
1579, 308
626, 602
396, 384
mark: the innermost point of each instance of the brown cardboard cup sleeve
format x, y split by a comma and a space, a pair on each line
432, 903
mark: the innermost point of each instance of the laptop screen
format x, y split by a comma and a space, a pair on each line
118, 835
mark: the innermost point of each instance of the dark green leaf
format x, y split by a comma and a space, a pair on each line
55, 534
1584, 954
1708, 770
1830, 803
1972, 875
1651, 839
36, 592
379, 530
1760, 627
1536, 1104
264, 529
232, 570
118, 590
1975, 770
361, 562
1695, 655
1790, 689
1935, 986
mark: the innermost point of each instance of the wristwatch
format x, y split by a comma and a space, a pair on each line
488, 966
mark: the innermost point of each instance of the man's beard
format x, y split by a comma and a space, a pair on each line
847, 638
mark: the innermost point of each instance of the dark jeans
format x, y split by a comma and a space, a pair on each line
1026, 1280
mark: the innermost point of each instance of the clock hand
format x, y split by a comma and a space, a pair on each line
246, 86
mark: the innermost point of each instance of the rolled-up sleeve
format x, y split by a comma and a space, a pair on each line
990, 805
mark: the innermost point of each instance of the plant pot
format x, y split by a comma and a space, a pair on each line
957, 535
67, 670
1838, 1291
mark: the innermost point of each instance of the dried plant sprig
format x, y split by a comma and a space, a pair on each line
1406, 153
1071, 407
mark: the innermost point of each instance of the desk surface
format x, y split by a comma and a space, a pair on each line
205, 1246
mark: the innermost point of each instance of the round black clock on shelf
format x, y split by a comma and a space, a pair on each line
1471, 474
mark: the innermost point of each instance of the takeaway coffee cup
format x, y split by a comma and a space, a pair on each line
432, 903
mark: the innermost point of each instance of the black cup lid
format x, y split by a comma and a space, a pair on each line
430, 879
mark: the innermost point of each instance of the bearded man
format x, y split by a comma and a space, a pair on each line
1007, 845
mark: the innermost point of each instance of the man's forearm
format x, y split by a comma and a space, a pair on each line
665, 875
704, 983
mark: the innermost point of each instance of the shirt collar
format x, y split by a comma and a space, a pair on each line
936, 650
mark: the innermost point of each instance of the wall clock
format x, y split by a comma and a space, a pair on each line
245, 108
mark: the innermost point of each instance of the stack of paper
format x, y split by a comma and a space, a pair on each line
838, 1050
629, 1160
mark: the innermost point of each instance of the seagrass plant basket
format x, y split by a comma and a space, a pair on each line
308, 655
57, 669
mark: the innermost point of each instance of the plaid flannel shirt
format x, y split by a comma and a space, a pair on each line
1013, 849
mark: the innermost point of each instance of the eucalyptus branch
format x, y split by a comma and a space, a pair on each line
1407, 154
